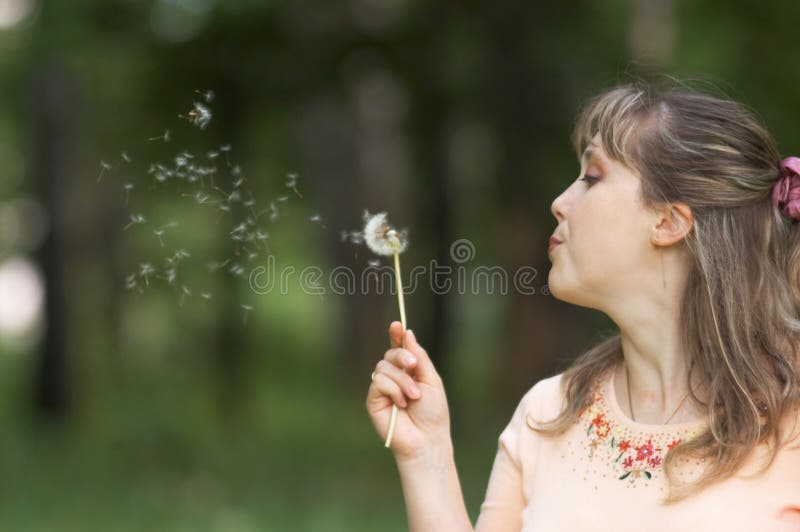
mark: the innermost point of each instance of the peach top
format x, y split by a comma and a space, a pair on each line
606, 473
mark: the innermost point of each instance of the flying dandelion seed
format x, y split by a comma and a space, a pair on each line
146, 269
282, 198
199, 116
374, 263
236, 270
291, 182
212, 154
104, 167
247, 310
126, 157
172, 275
385, 240
225, 148
316, 218
214, 266
206, 295
130, 282
208, 95
159, 233
181, 254
166, 136
273, 214
127, 187
185, 292
136, 219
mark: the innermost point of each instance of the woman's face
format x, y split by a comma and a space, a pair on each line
606, 252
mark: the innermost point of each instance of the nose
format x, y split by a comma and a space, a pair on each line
558, 207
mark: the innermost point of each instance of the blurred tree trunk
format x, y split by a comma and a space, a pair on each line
53, 124
524, 103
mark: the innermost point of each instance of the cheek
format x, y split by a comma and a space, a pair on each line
603, 242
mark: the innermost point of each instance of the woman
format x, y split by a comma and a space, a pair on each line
683, 228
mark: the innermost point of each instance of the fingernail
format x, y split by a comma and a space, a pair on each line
409, 359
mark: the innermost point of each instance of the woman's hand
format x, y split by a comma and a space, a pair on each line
423, 419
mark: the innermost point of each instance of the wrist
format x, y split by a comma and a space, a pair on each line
432, 455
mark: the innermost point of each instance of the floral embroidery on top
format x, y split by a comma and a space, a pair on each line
631, 455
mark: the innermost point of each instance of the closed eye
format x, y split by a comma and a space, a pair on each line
590, 179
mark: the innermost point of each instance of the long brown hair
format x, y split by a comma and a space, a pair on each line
739, 312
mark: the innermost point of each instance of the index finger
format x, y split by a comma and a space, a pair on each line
396, 334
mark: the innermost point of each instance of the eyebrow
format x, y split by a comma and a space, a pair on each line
587, 154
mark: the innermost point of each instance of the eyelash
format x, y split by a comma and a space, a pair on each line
590, 179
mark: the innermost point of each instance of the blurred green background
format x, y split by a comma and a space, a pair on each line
203, 405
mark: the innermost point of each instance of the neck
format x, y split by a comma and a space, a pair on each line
653, 354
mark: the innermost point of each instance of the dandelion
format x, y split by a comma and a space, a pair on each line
104, 167
199, 116
136, 219
291, 182
385, 240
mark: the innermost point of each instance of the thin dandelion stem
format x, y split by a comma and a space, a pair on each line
401, 303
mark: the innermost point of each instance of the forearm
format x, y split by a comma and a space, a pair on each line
432, 491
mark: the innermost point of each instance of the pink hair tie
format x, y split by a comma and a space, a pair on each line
786, 192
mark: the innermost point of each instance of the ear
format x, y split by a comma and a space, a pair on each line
673, 223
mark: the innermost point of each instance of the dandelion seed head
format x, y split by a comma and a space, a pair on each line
381, 237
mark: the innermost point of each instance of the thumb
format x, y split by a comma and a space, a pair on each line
424, 370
